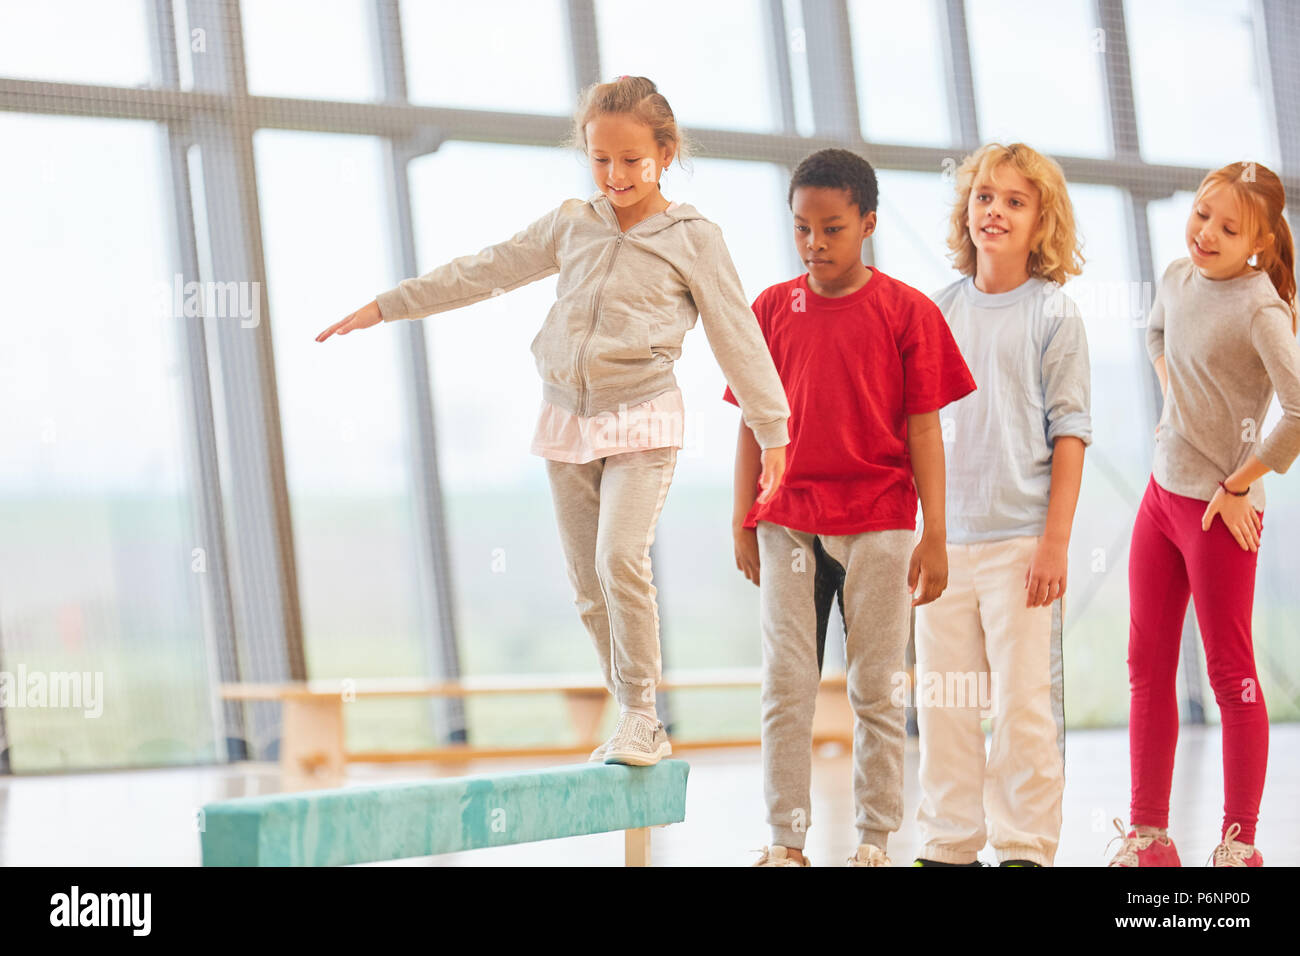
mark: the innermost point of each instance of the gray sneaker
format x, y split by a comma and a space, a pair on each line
638, 741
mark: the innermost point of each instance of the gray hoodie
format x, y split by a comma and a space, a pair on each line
624, 301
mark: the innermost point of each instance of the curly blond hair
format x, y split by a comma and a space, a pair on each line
1055, 252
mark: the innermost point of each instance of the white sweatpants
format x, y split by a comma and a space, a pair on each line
981, 653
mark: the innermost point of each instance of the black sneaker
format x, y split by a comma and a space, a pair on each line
1019, 863
921, 861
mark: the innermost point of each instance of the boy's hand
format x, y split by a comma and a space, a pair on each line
1045, 576
929, 567
773, 473
363, 318
747, 552
1238, 516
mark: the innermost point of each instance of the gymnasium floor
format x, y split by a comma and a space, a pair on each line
146, 817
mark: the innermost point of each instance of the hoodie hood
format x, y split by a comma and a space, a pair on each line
651, 224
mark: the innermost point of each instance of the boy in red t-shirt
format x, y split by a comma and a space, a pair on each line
867, 362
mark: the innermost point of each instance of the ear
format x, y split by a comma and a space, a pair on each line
869, 223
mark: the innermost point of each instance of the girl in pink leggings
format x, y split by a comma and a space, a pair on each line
1222, 337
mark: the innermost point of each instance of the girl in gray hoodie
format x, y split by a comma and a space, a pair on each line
635, 271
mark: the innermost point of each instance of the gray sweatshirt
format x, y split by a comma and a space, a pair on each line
1227, 345
624, 302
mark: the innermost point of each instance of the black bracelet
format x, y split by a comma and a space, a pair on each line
1235, 494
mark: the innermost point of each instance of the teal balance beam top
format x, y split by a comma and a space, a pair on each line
426, 817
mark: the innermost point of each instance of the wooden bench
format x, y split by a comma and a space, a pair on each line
313, 750
395, 821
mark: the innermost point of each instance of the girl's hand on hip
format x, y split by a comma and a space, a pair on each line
1239, 517
363, 318
773, 473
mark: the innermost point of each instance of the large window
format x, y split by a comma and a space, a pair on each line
346, 458
510, 55
311, 49
896, 47
100, 563
1038, 79
1199, 83
693, 52
76, 41
108, 433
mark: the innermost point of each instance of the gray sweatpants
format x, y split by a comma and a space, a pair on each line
607, 510
877, 612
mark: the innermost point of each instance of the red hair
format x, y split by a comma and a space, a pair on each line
1262, 198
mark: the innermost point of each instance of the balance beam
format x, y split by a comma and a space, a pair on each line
427, 817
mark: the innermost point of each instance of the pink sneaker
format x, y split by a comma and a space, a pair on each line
1232, 853
1147, 849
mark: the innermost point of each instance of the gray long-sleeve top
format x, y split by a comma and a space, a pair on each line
1228, 345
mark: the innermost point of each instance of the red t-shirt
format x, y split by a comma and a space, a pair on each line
854, 368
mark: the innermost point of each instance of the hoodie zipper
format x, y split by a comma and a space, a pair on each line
584, 402
585, 399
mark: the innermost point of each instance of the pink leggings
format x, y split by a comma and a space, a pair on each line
1171, 557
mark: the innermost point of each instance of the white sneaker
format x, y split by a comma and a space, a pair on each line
778, 856
869, 855
638, 741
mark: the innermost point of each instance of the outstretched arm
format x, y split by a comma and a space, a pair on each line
526, 257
